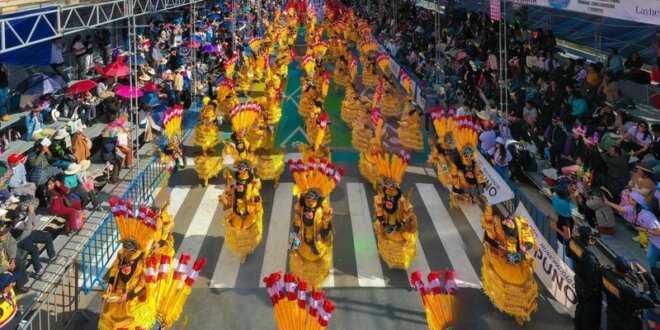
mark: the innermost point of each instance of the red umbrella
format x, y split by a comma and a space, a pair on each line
128, 91
116, 69
150, 87
81, 87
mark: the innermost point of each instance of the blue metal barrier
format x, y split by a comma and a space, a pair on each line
104, 242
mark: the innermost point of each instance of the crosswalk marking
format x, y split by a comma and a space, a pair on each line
177, 196
420, 262
226, 269
201, 221
369, 270
278, 231
473, 214
449, 235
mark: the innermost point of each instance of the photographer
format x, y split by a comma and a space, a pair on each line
629, 289
587, 279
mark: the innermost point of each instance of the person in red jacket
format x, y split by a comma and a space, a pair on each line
61, 203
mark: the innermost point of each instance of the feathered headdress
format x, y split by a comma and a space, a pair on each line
466, 138
392, 166
326, 84
309, 64
255, 43
322, 177
444, 126
226, 86
367, 46
406, 82
244, 115
437, 297
320, 48
230, 65
353, 66
383, 62
172, 122
136, 233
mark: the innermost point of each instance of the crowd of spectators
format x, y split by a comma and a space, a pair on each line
566, 118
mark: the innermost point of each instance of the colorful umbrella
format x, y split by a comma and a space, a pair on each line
81, 87
214, 17
150, 87
116, 69
128, 91
210, 49
41, 83
151, 99
193, 44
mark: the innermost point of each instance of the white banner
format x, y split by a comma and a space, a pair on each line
496, 190
642, 11
555, 275
394, 67
421, 101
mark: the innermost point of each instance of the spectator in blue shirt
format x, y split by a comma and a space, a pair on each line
563, 206
614, 62
18, 183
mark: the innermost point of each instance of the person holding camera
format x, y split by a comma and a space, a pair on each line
588, 286
29, 237
629, 289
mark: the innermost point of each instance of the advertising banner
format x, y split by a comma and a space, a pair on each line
555, 275
496, 190
642, 11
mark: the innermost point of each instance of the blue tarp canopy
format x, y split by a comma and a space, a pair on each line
37, 54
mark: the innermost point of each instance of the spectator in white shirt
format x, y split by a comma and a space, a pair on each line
57, 59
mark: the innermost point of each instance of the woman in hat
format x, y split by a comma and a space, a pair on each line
35, 125
80, 144
501, 157
641, 183
645, 222
76, 180
61, 202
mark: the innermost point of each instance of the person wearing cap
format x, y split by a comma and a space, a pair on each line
74, 179
9, 310
38, 166
629, 289
10, 260
60, 149
18, 184
29, 237
500, 156
81, 145
588, 287
645, 222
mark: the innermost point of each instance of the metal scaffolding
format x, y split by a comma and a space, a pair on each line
65, 20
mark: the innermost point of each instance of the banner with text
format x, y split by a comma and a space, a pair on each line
555, 275
642, 11
495, 10
496, 190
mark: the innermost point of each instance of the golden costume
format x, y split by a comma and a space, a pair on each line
465, 177
396, 223
173, 155
438, 297
208, 163
410, 128
243, 221
226, 98
389, 104
442, 146
312, 236
351, 105
373, 149
507, 267
369, 76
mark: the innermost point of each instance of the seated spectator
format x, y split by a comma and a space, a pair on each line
593, 76
11, 261
7, 282
39, 169
633, 62
34, 122
29, 237
637, 140
652, 159
18, 184
609, 88
500, 156
88, 108
614, 62
75, 179
60, 150
487, 137
81, 145
633, 66
110, 155
645, 222
61, 202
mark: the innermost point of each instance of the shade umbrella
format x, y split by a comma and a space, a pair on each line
41, 83
214, 17
116, 69
200, 24
81, 87
128, 92
210, 49
150, 87
151, 99
135, 59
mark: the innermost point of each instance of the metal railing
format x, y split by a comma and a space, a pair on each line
104, 242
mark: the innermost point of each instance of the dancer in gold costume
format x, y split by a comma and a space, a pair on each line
312, 236
438, 297
396, 223
173, 155
508, 266
243, 221
410, 127
226, 98
443, 145
208, 163
465, 177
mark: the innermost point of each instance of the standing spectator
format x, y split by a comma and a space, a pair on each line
78, 49
29, 237
104, 44
61, 203
57, 58
11, 261
501, 156
617, 169
614, 62
609, 88
89, 54
563, 207
4, 91
652, 159
556, 137
110, 155
18, 183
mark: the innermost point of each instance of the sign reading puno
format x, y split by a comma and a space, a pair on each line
555, 275
496, 189
642, 11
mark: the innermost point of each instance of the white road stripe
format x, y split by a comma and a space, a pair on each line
178, 195
277, 242
369, 271
420, 262
226, 269
201, 221
449, 235
329, 281
473, 214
